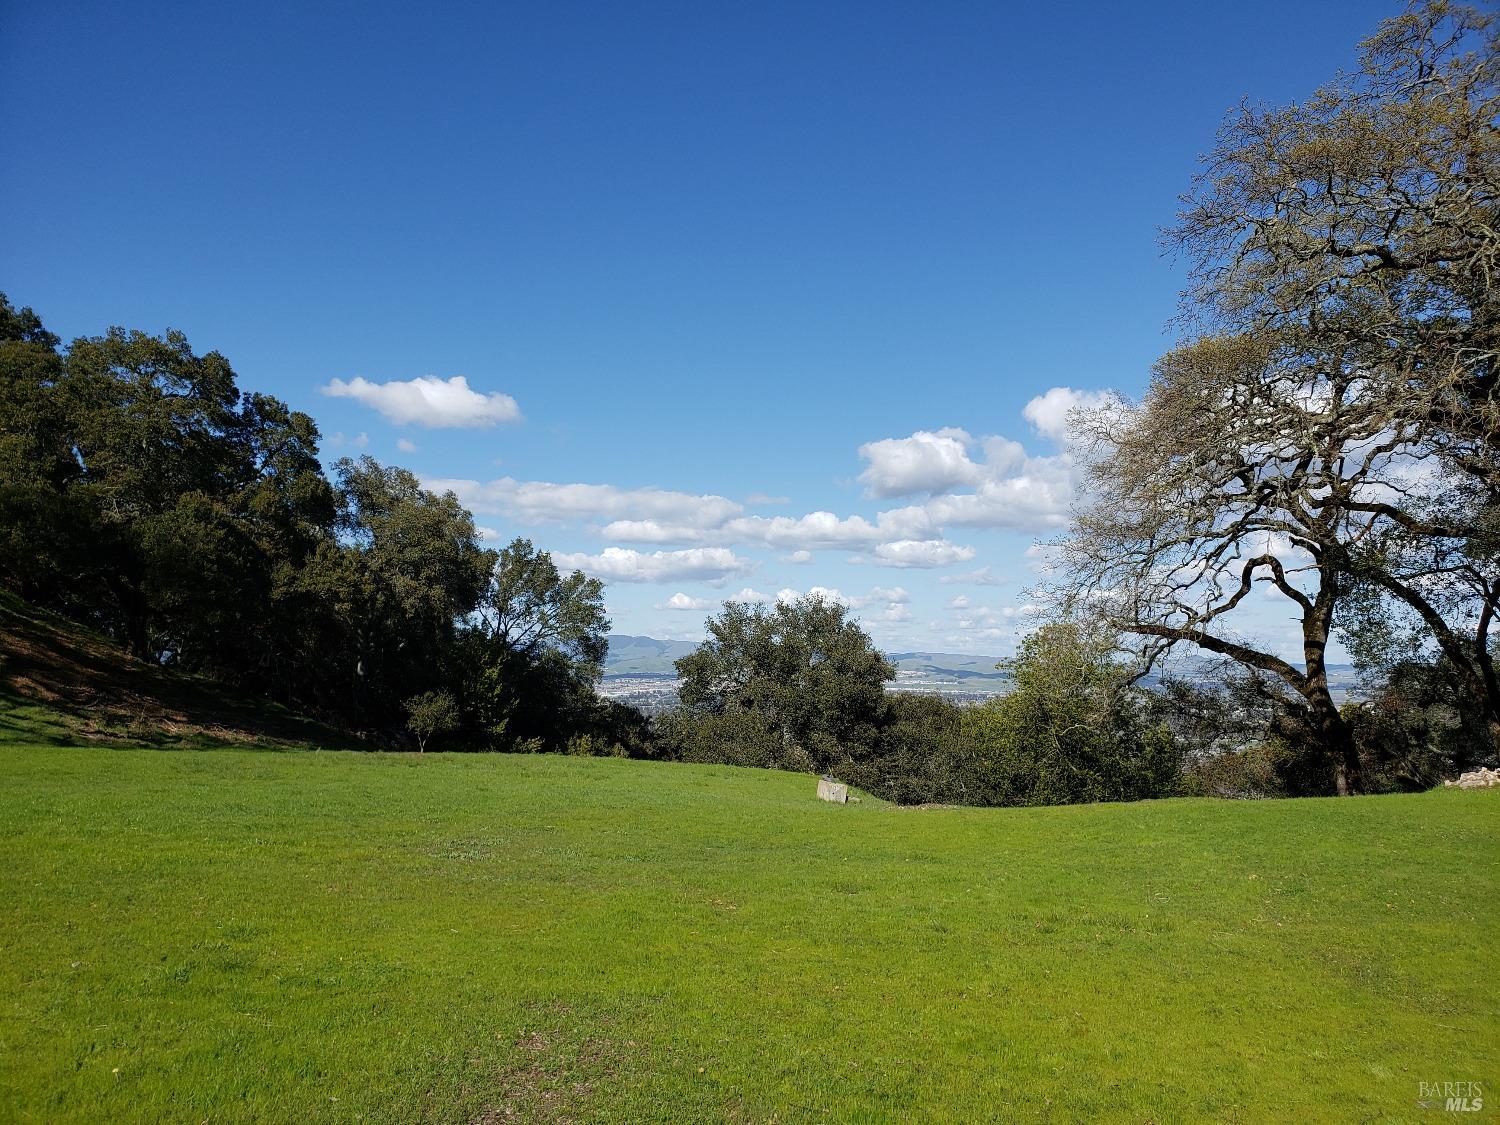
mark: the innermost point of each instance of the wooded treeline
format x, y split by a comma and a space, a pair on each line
142, 493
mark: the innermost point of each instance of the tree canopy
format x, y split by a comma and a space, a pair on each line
142, 492
1332, 432
803, 667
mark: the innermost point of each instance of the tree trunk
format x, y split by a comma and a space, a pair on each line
133, 611
1348, 775
1333, 731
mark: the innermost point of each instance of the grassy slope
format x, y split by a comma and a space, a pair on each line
239, 935
61, 684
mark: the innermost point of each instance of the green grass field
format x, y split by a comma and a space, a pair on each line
235, 935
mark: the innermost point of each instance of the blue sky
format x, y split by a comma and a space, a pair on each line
731, 266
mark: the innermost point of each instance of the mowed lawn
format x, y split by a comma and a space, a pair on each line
316, 936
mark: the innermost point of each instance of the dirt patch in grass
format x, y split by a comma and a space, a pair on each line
554, 1072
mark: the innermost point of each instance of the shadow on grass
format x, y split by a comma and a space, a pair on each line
61, 684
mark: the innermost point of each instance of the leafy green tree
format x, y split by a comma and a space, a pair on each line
429, 714
141, 492
25, 326
534, 651
529, 606
804, 667
923, 753
1074, 728
386, 598
40, 542
730, 737
1417, 727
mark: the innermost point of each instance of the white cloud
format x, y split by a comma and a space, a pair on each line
761, 500
406, 445
620, 564
1008, 488
827, 593
644, 511
488, 534
921, 553
1050, 413
824, 530
750, 596
429, 401
990, 482
925, 462
686, 601
340, 441
959, 602
1035, 500
890, 600
654, 531
814, 531
984, 576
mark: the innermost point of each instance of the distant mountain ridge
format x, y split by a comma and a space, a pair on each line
948, 664
643, 656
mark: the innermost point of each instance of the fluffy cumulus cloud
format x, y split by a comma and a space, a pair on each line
750, 596
1051, 413
621, 564
925, 462
662, 517
985, 624
889, 603
983, 483
683, 601
823, 530
798, 535
429, 401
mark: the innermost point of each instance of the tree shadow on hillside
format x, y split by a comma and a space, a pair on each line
61, 684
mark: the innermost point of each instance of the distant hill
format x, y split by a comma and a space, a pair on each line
948, 665
643, 656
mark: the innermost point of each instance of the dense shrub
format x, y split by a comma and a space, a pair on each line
1243, 774
1415, 728
921, 754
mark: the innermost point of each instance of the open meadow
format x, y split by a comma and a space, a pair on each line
231, 935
